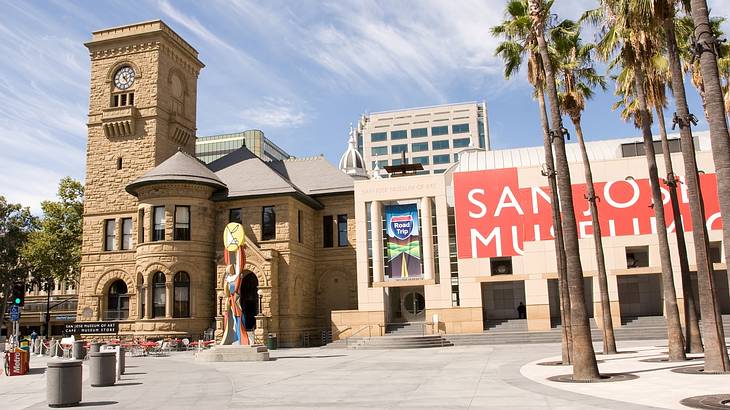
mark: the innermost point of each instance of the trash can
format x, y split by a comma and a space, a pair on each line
271, 341
78, 352
102, 368
63, 383
95, 347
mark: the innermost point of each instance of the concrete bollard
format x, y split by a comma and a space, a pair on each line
78, 352
52, 348
122, 360
37, 346
95, 347
102, 368
63, 383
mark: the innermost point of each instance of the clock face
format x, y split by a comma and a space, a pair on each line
124, 78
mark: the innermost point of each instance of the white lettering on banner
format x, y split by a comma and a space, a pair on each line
711, 219
507, 192
583, 226
495, 234
537, 232
611, 228
665, 195
652, 222
635, 224
535, 192
477, 203
612, 202
515, 242
683, 190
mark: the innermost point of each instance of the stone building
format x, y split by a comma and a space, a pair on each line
152, 254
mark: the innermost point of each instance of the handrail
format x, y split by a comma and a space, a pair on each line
347, 341
341, 332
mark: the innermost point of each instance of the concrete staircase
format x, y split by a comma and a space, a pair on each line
405, 329
408, 336
633, 328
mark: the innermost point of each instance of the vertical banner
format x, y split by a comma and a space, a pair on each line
404, 246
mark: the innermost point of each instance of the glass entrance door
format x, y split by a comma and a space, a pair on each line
413, 306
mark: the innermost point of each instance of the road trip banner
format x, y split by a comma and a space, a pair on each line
404, 245
495, 216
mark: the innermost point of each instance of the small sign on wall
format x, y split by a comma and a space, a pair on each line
91, 328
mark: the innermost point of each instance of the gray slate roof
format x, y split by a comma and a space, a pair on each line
246, 175
181, 167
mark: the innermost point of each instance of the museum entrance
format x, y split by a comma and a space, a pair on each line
407, 304
250, 299
500, 302
640, 295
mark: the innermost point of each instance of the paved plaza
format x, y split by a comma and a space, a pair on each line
452, 377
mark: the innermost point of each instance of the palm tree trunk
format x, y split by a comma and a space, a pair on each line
584, 358
609, 340
674, 327
716, 357
693, 337
559, 243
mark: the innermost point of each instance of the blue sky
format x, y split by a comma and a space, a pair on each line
299, 70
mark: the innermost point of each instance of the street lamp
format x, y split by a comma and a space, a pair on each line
261, 297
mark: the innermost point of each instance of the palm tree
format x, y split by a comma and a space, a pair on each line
716, 357
584, 357
629, 35
576, 80
520, 41
657, 73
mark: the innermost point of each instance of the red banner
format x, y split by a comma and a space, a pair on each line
495, 217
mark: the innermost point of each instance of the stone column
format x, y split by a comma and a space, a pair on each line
376, 229
427, 237
141, 295
168, 299
148, 301
261, 331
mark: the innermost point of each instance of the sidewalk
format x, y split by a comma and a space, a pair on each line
656, 386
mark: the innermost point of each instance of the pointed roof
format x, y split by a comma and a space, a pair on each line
181, 167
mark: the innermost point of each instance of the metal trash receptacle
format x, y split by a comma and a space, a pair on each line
271, 342
102, 368
63, 383
78, 352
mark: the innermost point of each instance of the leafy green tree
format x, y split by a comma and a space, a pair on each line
576, 78
583, 355
54, 250
519, 42
16, 223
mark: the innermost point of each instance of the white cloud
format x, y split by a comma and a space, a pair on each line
274, 113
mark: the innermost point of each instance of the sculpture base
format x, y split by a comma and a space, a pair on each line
234, 353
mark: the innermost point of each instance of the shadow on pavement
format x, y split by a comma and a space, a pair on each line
96, 403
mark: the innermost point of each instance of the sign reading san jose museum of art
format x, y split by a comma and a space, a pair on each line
495, 216
404, 245
91, 328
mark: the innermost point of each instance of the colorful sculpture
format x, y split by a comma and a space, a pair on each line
234, 323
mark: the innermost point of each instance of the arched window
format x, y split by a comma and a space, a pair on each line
117, 305
158, 295
181, 297
141, 296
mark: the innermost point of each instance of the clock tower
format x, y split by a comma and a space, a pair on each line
142, 106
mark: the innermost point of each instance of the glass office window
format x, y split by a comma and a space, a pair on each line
182, 223
420, 160
419, 132
440, 130
419, 146
397, 149
459, 128
441, 159
158, 230
379, 151
378, 136
462, 142
442, 144
342, 230
110, 239
398, 135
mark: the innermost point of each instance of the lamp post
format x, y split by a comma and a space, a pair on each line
261, 297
